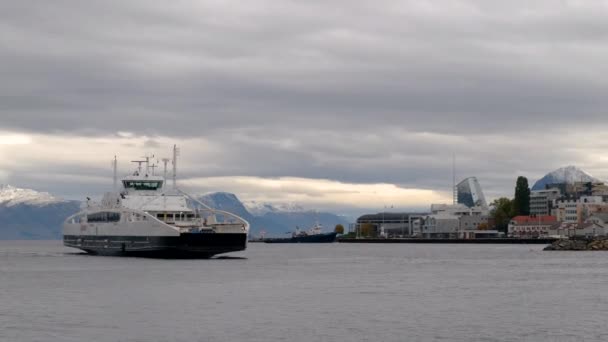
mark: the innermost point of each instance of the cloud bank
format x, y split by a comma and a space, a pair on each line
372, 97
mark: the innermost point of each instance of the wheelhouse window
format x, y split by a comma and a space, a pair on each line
142, 185
103, 217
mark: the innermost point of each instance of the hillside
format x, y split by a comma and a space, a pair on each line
29, 214
568, 175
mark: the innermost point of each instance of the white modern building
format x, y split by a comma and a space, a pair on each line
542, 201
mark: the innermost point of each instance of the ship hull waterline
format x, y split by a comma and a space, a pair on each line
187, 245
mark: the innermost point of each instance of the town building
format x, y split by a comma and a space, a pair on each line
531, 226
387, 224
588, 229
543, 201
456, 221
565, 210
578, 189
601, 219
576, 210
587, 210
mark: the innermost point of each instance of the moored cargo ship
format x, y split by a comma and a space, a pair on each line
313, 235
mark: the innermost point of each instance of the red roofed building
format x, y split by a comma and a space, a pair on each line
531, 226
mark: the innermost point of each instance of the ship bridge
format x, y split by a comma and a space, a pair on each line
143, 183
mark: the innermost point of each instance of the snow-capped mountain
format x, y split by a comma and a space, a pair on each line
11, 196
568, 175
261, 208
29, 214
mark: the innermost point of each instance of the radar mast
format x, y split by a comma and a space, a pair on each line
175, 154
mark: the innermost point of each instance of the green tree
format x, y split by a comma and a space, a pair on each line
339, 229
521, 203
501, 214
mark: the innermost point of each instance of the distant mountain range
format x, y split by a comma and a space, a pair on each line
262, 208
29, 214
568, 175
273, 219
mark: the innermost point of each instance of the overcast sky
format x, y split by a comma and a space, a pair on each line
346, 105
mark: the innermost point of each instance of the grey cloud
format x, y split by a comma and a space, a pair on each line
336, 90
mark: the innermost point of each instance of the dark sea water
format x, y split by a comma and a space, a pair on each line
300, 292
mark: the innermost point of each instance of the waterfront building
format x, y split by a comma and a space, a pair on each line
531, 226
469, 193
577, 210
588, 229
601, 219
388, 224
587, 210
456, 221
444, 221
543, 201
565, 211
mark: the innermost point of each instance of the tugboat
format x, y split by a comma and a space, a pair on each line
313, 235
148, 218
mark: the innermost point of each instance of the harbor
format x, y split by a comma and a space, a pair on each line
304, 171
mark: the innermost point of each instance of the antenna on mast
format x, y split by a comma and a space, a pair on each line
175, 154
165, 161
114, 168
139, 162
454, 190
147, 161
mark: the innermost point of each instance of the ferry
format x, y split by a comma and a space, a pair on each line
148, 218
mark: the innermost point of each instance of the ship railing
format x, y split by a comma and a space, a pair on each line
214, 217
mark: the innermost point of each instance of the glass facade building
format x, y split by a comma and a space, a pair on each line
470, 194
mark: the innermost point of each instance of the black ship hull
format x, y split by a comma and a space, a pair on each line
319, 238
200, 246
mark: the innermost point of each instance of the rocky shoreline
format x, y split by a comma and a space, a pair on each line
579, 244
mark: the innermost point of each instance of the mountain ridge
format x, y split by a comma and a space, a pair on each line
32, 215
11, 196
261, 208
567, 174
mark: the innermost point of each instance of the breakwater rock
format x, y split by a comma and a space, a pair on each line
579, 244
